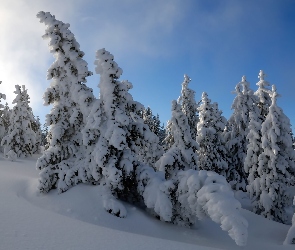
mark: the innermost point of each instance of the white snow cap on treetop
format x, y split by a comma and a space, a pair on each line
261, 77
274, 94
186, 81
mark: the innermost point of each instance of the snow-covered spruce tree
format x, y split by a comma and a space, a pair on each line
254, 149
6, 117
156, 124
20, 137
236, 133
212, 153
147, 116
44, 135
117, 138
162, 135
189, 106
263, 95
276, 164
63, 164
36, 126
182, 155
153, 121
168, 140
2, 121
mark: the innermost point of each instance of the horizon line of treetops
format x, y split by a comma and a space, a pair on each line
117, 142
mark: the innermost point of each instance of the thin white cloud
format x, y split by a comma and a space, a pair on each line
134, 26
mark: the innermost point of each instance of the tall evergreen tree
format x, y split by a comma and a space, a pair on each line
263, 95
190, 110
151, 120
20, 138
182, 155
254, 149
72, 101
212, 153
189, 106
117, 137
36, 127
147, 116
6, 117
169, 139
44, 135
156, 124
276, 164
236, 133
162, 135
2, 118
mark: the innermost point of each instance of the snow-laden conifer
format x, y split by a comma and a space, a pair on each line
20, 137
36, 126
6, 117
254, 149
212, 153
236, 133
44, 135
276, 164
189, 106
147, 116
2, 120
62, 164
263, 94
193, 194
156, 124
182, 155
162, 135
153, 121
168, 140
117, 137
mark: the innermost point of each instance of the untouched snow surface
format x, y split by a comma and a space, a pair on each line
76, 219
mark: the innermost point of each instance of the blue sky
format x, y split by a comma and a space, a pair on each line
155, 43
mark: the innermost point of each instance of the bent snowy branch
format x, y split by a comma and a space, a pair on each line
193, 194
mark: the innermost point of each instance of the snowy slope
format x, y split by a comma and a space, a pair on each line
76, 220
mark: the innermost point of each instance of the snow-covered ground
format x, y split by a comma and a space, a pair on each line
76, 220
